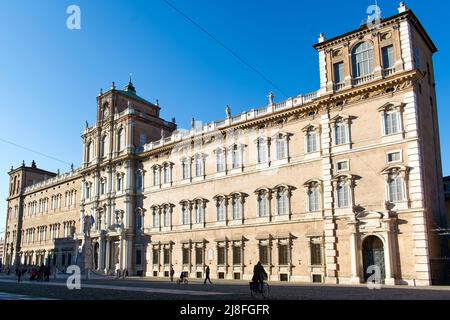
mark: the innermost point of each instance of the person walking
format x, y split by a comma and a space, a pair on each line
172, 273
18, 273
207, 278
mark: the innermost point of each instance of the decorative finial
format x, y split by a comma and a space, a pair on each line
87, 125
228, 111
101, 92
58, 172
174, 121
402, 8
33, 164
157, 102
12, 168
71, 167
129, 87
193, 123
271, 97
113, 86
23, 163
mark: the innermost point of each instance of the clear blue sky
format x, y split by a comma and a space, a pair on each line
50, 76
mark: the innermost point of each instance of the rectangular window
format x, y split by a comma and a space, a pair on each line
396, 192
220, 159
221, 211
283, 255
313, 199
236, 209
186, 256
281, 203
388, 57
342, 166
236, 158
221, 256
343, 195
262, 206
316, 254
167, 175
138, 257
391, 123
281, 148
394, 157
341, 135
264, 255
311, 142
338, 72
185, 169
199, 213
237, 256
262, 152
185, 215
199, 256
156, 177
166, 256
155, 256
155, 219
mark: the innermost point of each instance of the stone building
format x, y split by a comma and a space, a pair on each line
318, 188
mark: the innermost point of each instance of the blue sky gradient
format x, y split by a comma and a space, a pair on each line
50, 76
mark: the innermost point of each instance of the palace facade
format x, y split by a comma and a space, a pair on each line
319, 187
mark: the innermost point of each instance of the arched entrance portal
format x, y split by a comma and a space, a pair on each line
373, 255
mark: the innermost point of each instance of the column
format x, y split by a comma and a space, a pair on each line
128, 256
377, 70
388, 254
121, 252
354, 252
108, 256
101, 252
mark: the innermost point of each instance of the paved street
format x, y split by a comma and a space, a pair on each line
161, 289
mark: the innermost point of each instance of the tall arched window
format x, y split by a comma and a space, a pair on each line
120, 139
362, 60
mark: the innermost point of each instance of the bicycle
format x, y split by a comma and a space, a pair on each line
255, 289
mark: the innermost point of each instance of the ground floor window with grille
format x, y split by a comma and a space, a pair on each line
186, 256
221, 253
166, 256
283, 255
316, 252
264, 254
199, 256
237, 255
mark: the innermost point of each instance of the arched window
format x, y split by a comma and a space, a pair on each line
88, 190
119, 182
102, 186
282, 194
186, 168
236, 162
156, 176
236, 205
220, 160
120, 139
199, 211
362, 60
155, 217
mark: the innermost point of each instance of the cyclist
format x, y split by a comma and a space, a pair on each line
259, 275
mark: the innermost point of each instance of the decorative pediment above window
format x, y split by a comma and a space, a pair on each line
156, 167
263, 190
239, 146
342, 118
400, 170
167, 164
284, 188
282, 134
343, 177
262, 140
313, 182
185, 202
391, 106
221, 149
312, 127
